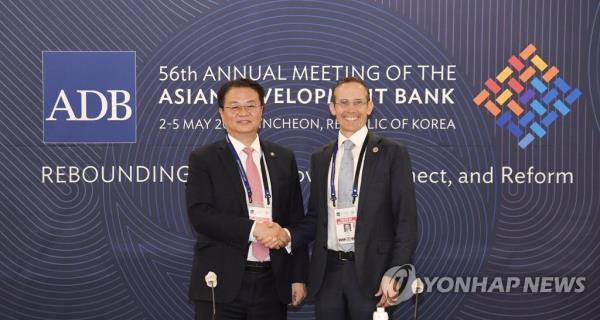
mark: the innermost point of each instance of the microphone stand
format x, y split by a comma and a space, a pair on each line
214, 306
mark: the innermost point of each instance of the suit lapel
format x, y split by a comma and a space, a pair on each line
372, 154
324, 162
273, 172
230, 169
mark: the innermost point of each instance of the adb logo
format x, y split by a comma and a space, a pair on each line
527, 96
89, 97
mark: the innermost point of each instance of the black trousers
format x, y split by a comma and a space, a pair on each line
340, 296
257, 300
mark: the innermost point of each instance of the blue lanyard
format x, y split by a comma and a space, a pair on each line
245, 177
333, 197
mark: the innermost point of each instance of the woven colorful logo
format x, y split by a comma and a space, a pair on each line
527, 96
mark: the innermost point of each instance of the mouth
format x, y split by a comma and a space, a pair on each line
243, 121
351, 118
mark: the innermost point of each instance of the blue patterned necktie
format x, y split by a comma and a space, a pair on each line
346, 178
345, 182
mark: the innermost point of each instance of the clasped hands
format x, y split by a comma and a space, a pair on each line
271, 235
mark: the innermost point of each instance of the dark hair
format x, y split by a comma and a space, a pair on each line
348, 80
240, 83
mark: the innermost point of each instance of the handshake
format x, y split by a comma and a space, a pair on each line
271, 235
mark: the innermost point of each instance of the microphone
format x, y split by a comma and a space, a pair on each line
211, 279
211, 282
417, 288
380, 314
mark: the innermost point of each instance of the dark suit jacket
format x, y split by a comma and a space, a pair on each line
386, 228
217, 210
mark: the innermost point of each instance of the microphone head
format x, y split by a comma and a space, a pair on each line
417, 286
211, 279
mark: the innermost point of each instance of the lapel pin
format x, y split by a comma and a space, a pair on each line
375, 149
272, 154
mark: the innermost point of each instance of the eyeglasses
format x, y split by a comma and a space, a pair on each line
355, 103
236, 109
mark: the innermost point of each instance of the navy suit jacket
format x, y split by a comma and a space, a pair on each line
386, 228
216, 205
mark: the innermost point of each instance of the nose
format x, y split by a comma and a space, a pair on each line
244, 111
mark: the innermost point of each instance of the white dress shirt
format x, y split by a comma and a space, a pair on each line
256, 157
358, 139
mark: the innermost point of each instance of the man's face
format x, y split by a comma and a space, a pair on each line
241, 112
351, 107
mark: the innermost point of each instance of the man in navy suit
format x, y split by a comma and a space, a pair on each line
364, 181
241, 193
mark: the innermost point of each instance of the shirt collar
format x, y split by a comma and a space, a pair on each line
357, 138
239, 147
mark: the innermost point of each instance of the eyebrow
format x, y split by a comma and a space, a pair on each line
247, 101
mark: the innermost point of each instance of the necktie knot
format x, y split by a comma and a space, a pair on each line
348, 145
248, 151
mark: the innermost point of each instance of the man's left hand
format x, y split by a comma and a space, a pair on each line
298, 293
387, 292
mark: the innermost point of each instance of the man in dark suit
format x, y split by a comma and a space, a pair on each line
366, 181
240, 192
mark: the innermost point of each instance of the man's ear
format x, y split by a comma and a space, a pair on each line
332, 108
221, 115
369, 107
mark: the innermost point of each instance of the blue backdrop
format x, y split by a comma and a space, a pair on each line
123, 249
